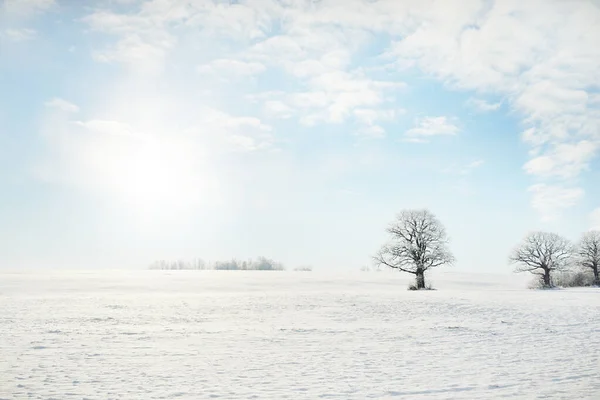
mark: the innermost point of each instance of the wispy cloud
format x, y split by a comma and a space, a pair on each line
226, 132
460, 173
20, 35
464, 169
277, 109
25, 8
551, 200
565, 160
501, 50
414, 140
108, 127
144, 41
232, 67
428, 127
62, 104
482, 105
334, 96
515, 52
371, 116
369, 120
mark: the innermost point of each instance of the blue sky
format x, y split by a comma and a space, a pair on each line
139, 130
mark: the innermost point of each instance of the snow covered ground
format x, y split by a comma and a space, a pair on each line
293, 335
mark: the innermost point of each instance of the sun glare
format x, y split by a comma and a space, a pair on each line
160, 178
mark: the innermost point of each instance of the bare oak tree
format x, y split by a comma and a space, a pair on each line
588, 253
541, 253
417, 243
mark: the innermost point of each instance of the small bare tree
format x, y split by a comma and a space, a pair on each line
541, 253
418, 242
588, 253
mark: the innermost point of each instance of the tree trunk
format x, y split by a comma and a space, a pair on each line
420, 279
596, 278
547, 280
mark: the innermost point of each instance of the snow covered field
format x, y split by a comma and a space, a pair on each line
293, 335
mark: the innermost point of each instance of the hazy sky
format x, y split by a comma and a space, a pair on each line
139, 130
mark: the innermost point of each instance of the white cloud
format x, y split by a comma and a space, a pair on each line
62, 104
143, 43
277, 109
534, 137
566, 160
540, 57
319, 55
20, 35
265, 96
232, 67
329, 62
470, 167
246, 143
25, 8
371, 116
464, 169
373, 131
225, 132
369, 120
334, 96
145, 37
595, 219
483, 105
414, 140
547, 99
550, 200
107, 127
137, 53
474, 164
427, 127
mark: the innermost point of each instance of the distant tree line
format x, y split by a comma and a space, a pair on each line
258, 264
